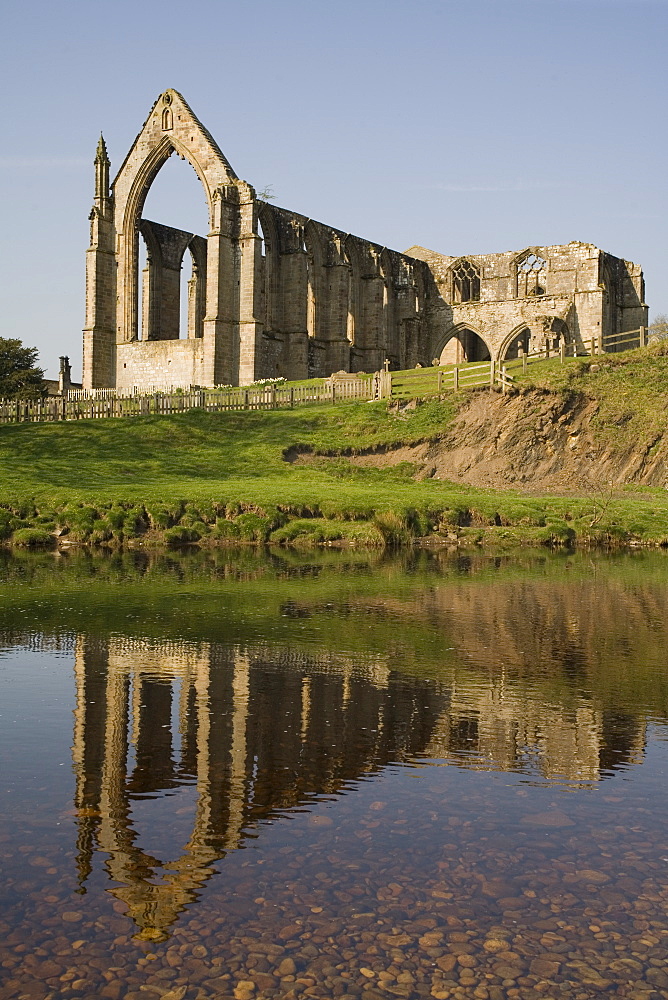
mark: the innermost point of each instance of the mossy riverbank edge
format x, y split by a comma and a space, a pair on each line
470, 469
467, 519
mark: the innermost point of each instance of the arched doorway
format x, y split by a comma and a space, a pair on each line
518, 345
464, 345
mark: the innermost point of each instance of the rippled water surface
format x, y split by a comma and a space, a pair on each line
243, 776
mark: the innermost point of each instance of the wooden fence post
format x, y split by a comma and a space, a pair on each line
492, 372
562, 350
455, 378
643, 336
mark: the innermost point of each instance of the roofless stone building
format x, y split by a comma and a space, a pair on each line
274, 293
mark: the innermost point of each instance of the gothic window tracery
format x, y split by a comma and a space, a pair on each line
465, 282
531, 275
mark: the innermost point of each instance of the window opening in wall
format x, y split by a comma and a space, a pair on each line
351, 305
176, 198
186, 292
531, 271
465, 282
171, 287
264, 305
142, 290
310, 298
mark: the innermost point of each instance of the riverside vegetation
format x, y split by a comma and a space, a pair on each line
294, 477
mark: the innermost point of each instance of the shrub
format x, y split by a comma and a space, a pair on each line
307, 532
226, 530
253, 527
181, 535
136, 522
557, 533
116, 518
392, 527
102, 532
33, 538
201, 528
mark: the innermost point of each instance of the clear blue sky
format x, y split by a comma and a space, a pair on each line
467, 126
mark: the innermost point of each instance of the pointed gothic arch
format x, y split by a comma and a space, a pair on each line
314, 262
517, 342
530, 269
149, 153
465, 281
353, 304
469, 346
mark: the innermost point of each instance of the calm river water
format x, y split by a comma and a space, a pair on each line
333, 775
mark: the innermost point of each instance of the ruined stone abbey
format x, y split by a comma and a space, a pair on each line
274, 293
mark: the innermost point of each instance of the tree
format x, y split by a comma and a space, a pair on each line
20, 378
658, 329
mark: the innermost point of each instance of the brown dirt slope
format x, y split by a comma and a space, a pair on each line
535, 440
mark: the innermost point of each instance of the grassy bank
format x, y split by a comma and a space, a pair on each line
236, 478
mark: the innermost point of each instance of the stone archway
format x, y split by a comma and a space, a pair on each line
461, 345
518, 344
225, 350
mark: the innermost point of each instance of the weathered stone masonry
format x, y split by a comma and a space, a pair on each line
274, 293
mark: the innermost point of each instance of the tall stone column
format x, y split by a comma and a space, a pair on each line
221, 322
99, 334
250, 286
293, 296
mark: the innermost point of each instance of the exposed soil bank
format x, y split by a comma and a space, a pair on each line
534, 441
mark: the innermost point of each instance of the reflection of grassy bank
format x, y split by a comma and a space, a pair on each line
565, 623
236, 478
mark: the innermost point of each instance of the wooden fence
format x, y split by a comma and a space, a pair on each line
99, 403
105, 403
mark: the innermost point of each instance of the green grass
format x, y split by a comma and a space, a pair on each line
224, 478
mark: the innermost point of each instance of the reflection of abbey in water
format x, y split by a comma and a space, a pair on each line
263, 730
256, 736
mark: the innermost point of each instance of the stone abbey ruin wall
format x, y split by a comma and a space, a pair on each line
274, 293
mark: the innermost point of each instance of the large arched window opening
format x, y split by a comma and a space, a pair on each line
313, 268
531, 275
171, 282
390, 327
186, 293
465, 282
265, 297
352, 307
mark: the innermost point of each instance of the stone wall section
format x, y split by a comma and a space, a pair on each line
580, 293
